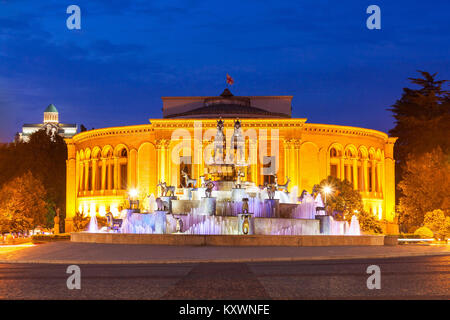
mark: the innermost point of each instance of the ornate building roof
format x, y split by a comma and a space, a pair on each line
51, 108
227, 106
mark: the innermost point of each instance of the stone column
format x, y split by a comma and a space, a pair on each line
116, 174
132, 171
168, 161
81, 176
296, 167
389, 173
365, 178
86, 176
286, 150
110, 175
373, 176
355, 174
71, 196
94, 175
379, 173
253, 148
103, 183
160, 164
341, 167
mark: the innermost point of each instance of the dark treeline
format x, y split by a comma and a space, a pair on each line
44, 156
422, 150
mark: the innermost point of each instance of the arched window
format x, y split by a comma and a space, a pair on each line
333, 153
334, 163
123, 169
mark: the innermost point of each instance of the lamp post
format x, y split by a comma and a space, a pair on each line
326, 190
132, 194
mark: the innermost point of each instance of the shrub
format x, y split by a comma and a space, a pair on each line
437, 222
424, 232
39, 238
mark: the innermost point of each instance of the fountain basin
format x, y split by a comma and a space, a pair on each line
227, 240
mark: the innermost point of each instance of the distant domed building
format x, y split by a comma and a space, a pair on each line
51, 125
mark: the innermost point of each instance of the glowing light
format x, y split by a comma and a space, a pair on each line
133, 193
327, 189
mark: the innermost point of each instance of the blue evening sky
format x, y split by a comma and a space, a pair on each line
130, 53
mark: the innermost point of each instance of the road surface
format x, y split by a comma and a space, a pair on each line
401, 278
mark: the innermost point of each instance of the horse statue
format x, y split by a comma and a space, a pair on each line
165, 189
284, 186
162, 205
204, 182
271, 188
240, 175
113, 224
188, 180
209, 188
219, 140
179, 225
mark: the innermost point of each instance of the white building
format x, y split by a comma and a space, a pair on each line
51, 124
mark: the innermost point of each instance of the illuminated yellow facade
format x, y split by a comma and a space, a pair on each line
104, 164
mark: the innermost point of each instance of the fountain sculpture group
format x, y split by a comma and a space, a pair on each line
227, 204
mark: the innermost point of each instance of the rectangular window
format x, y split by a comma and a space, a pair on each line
333, 170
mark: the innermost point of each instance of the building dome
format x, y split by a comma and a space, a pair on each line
51, 108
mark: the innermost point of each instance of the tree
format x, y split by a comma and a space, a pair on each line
22, 204
425, 187
422, 117
345, 202
45, 157
437, 222
421, 121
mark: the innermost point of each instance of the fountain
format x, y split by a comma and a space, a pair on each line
224, 204
93, 226
354, 229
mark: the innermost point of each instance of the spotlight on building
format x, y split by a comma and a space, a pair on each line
326, 190
133, 199
133, 193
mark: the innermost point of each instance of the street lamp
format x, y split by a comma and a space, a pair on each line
132, 198
326, 190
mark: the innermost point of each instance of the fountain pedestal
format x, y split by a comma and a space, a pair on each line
187, 194
160, 221
246, 223
272, 208
167, 201
325, 224
198, 193
208, 206
237, 194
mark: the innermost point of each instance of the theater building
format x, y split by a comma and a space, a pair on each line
104, 164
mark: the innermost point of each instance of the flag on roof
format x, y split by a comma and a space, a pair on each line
230, 80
